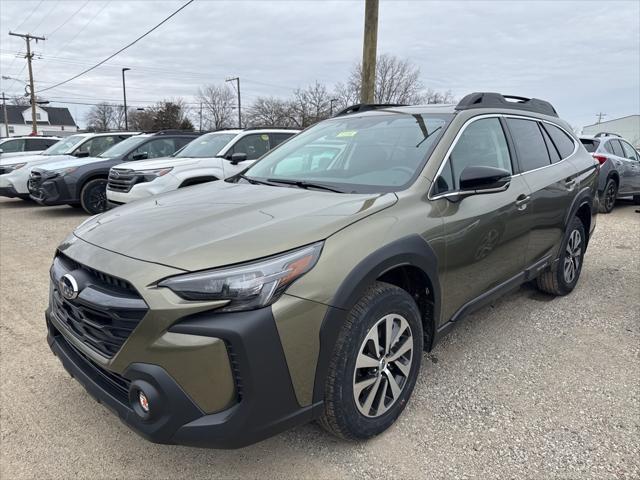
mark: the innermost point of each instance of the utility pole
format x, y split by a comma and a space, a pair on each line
331, 102
369, 52
6, 119
29, 56
124, 95
237, 80
600, 116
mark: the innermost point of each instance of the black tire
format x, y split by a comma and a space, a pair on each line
555, 280
636, 199
93, 196
608, 199
341, 415
75, 205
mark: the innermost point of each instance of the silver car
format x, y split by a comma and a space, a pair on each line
619, 168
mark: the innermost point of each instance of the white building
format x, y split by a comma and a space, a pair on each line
627, 127
51, 121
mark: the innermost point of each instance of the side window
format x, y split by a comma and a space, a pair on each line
37, 144
608, 147
254, 145
530, 146
278, 138
551, 148
482, 143
617, 148
97, 145
13, 146
159, 147
563, 142
629, 151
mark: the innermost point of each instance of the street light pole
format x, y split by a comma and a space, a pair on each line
237, 80
124, 95
4, 109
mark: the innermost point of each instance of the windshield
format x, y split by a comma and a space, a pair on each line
65, 146
380, 153
123, 147
208, 145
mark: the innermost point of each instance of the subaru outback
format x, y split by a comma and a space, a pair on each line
308, 286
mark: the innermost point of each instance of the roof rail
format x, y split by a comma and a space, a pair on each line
173, 132
606, 134
272, 128
364, 107
497, 100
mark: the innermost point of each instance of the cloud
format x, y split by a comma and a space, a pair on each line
582, 56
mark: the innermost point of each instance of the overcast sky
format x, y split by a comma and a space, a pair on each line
584, 57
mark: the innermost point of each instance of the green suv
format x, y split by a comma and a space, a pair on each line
308, 286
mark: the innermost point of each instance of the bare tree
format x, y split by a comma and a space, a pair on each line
269, 112
397, 81
310, 105
218, 103
101, 117
20, 100
141, 120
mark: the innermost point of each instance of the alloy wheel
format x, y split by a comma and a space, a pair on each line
610, 196
383, 365
98, 198
573, 256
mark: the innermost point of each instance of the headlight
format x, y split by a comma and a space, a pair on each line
150, 175
247, 286
15, 166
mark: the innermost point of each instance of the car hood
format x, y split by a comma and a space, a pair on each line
222, 223
157, 163
5, 160
66, 161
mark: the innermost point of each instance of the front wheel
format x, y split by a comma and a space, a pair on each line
562, 278
636, 199
375, 364
609, 196
93, 196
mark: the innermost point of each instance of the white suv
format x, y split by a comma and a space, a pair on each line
212, 156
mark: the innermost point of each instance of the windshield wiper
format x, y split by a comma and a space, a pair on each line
305, 184
253, 181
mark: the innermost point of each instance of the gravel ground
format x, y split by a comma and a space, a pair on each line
530, 387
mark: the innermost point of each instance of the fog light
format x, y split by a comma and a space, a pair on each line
143, 401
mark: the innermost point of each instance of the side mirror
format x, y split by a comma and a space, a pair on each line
1, 151
81, 154
140, 156
478, 179
236, 158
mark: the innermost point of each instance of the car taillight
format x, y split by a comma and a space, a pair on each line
600, 158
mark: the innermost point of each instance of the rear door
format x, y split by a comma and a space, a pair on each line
632, 159
551, 177
624, 166
485, 235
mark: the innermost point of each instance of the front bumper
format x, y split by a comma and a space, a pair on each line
52, 191
14, 185
143, 190
266, 402
11, 192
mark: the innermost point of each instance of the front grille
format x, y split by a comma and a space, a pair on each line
123, 180
105, 312
34, 182
235, 371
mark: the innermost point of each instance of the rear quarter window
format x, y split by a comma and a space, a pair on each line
563, 142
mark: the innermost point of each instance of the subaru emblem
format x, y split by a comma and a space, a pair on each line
68, 287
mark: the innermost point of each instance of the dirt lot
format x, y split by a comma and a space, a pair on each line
530, 387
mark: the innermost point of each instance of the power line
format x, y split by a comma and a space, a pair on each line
121, 50
46, 16
30, 15
69, 19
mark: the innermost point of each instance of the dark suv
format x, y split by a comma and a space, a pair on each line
307, 286
83, 182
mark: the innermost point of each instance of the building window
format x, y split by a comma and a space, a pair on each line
37, 116
11, 129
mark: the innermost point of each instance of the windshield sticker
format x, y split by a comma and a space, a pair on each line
347, 133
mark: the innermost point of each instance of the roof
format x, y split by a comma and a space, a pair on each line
57, 115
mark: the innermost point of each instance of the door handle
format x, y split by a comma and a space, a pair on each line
522, 201
570, 183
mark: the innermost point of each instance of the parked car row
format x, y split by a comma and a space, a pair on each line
76, 171
308, 286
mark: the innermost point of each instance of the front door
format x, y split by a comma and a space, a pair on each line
253, 145
485, 235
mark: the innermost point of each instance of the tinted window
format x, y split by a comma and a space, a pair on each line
253, 145
551, 148
38, 144
11, 146
530, 146
97, 145
590, 144
629, 151
278, 138
482, 143
563, 142
156, 148
617, 148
